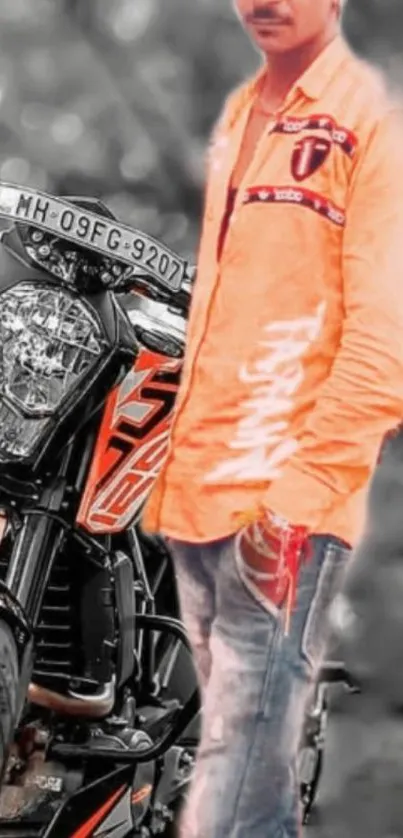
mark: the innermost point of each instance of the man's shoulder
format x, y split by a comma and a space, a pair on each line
362, 95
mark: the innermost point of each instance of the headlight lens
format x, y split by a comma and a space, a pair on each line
49, 341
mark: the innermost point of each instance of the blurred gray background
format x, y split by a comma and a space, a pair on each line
116, 99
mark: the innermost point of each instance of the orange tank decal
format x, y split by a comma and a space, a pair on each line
132, 444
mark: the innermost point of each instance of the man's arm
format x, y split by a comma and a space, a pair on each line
363, 396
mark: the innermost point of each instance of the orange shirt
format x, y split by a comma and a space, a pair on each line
294, 363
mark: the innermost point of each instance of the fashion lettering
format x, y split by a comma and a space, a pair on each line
335, 215
274, 378
295, 127
288, 195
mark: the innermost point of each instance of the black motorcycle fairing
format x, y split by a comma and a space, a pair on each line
111, 801
119, 352
23, 484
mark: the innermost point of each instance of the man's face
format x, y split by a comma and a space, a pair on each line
278, 26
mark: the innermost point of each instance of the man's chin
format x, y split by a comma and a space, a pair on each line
272, 42
272, 49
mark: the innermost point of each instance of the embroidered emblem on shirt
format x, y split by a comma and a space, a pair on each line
340, 136
308, 156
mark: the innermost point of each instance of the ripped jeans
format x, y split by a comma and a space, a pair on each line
255, 682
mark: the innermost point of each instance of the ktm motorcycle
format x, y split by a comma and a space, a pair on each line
94, 741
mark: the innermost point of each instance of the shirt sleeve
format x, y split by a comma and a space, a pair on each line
362, 398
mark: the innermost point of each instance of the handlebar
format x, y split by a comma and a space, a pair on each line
143, 283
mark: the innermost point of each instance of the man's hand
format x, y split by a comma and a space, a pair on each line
271, 550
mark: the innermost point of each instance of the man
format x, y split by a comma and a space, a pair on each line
293, 374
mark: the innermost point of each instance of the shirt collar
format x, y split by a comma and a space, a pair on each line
319, 74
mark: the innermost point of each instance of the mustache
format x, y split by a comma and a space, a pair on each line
266, 13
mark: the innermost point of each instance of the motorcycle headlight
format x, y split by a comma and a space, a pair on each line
49, 341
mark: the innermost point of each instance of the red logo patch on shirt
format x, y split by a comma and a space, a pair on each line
308, 156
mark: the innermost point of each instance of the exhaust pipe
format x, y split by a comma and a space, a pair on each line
91, 706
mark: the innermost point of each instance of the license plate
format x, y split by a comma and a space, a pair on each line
112, 239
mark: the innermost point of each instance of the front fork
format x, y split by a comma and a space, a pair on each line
21, 593
35, 548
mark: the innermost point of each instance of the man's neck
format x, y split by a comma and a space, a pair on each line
282, 71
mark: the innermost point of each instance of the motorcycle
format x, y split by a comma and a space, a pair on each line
97, 729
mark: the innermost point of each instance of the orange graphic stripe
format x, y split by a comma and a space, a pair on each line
87, 828
141, 794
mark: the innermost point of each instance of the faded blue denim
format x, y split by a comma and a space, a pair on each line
255, 682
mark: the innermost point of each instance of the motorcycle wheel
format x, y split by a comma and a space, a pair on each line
8, 692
